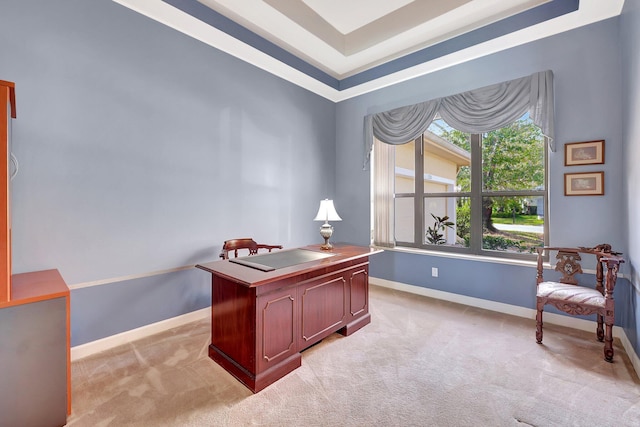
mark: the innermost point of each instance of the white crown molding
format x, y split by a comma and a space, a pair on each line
590, 11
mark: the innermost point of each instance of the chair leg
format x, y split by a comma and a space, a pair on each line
608, 343
600, 329
539, 323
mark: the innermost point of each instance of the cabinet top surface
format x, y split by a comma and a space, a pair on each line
36, 286
254, 277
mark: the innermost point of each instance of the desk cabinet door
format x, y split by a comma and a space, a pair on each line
323, 308
358, 280
276, 327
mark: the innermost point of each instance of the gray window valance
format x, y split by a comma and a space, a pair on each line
476, 111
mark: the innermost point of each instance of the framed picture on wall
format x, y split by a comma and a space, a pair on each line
584, 153
584, 184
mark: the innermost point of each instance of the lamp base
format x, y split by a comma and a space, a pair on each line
326, 231
327, 246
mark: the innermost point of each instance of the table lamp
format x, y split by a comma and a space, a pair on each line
326, 213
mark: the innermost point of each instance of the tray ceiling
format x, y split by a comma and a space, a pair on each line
342, 48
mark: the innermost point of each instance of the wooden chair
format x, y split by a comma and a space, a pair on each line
571, 297
234, 245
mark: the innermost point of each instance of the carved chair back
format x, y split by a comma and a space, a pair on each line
248, 244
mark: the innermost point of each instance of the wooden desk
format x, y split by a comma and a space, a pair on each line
262, 320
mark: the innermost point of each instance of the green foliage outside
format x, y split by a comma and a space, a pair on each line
463, 217
500, 243
518, 241
512, 160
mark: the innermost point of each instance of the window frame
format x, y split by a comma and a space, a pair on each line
476, 196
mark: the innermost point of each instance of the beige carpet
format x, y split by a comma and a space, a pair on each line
421, 362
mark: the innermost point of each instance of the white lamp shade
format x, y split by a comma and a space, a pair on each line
327, 212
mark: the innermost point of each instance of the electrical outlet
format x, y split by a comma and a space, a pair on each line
434, 271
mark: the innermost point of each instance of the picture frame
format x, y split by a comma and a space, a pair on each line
584, 184
584, 153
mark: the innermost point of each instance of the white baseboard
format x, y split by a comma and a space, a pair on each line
93, 347
529, 313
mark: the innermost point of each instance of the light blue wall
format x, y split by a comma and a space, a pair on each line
587, 69
142, 149
630, 47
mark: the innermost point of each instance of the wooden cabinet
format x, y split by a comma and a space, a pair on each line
7, 112
35, 386
34, 331
261, 321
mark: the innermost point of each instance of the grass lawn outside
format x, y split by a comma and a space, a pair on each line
519, 220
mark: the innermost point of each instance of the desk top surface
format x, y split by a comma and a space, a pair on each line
281, 259
310, 257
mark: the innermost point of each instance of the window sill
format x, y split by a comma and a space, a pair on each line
479, 258
467, 257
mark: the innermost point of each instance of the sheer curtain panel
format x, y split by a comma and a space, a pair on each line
383, 191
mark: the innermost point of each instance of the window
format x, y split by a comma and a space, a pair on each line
470, 193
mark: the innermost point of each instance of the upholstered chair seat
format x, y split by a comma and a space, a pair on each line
571, 294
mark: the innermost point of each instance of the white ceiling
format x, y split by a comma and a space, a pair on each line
342, 38
337, 37
347, 16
